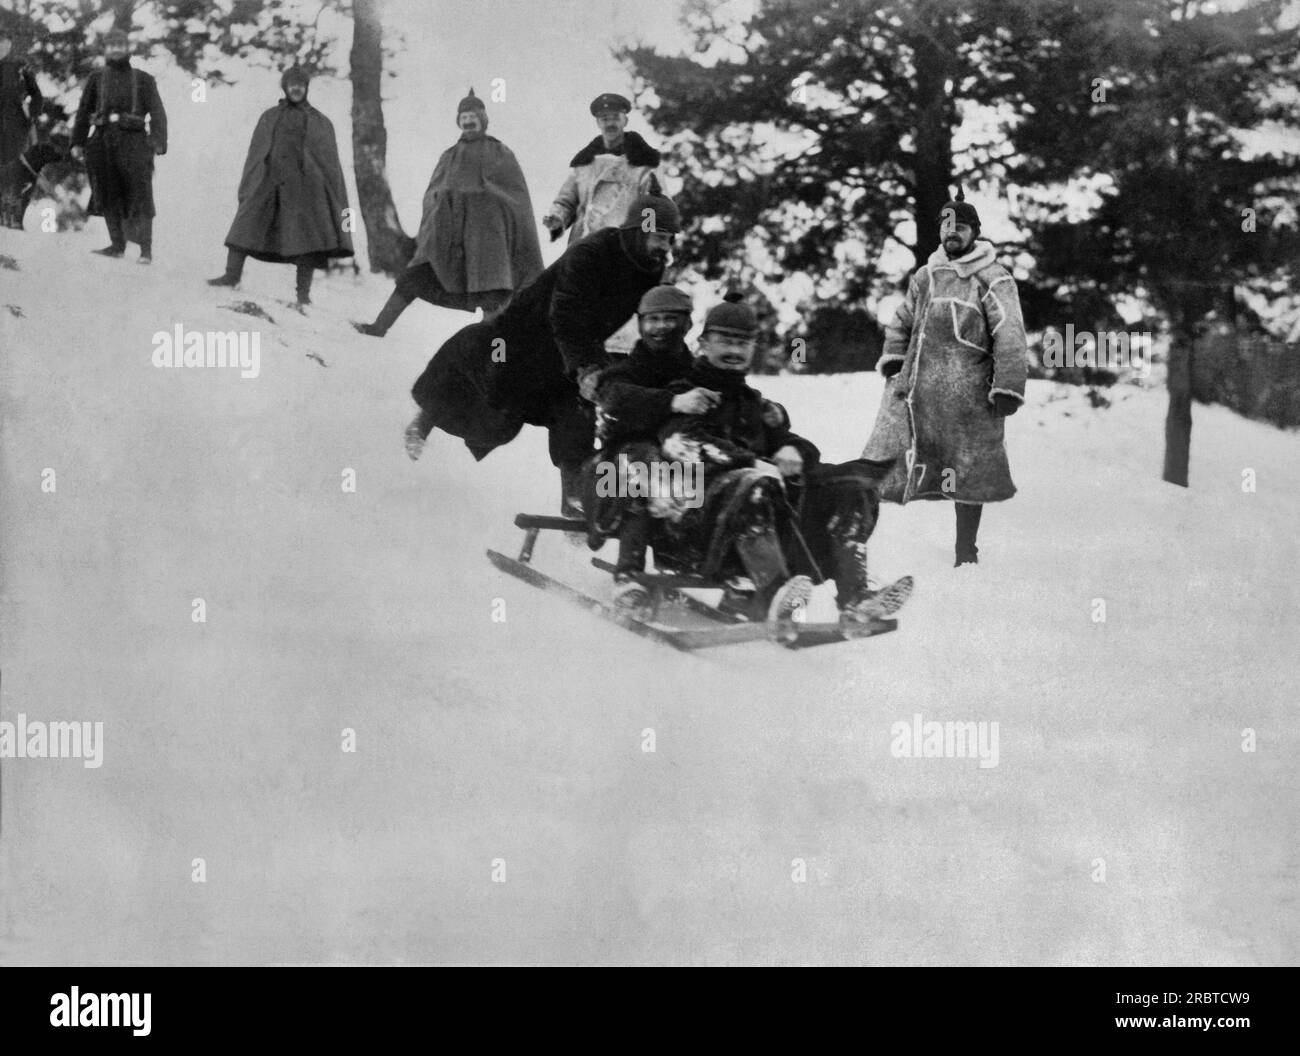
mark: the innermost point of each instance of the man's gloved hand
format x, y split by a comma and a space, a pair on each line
697, 401
587, 378
774, 416
789, 461
891, 368
554, 226
1004, 405
78, 154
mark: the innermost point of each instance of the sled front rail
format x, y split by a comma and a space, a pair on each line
667, 590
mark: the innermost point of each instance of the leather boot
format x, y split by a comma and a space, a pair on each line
388, 314
234, 269
304, 276
968, 526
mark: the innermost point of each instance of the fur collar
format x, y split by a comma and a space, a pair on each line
636, 149
980, 257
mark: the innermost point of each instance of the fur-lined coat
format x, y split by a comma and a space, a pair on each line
602, 186
961, 340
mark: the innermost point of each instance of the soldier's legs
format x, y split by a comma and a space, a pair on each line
968, 526
144, 236
305, 267
396, 304
572, 429
116, 224
840, 510
757, 544
235, 263
106, 197
633, 538
131, 156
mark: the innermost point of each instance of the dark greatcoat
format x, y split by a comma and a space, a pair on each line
292, 197
519, 366
120, 161
477, 231
828, 514
17, 84
632, 402
735, 429
633, 398
735, 438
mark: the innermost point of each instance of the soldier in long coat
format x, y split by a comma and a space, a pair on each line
293, 203
122, 105
604, 176
955, 356
17, 86
478, 238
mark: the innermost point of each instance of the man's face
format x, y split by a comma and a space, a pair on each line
6, 46
657, 246
470, 121
611, 123
296, 91
115, 51
955, 235
728, 350
659, 330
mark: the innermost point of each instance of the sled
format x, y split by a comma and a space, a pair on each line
668, 591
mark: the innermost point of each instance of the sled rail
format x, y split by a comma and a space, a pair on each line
667, 590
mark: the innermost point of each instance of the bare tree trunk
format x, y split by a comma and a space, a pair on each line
1178, 419
124, 14
932, 168
390, 247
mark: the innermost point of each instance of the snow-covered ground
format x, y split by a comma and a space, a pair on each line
1123, 822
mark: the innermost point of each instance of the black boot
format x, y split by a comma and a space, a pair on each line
144, 236
388, 314
759, 548
116, 236
968, 526
304, 276
633, 538
234, 269
571, 491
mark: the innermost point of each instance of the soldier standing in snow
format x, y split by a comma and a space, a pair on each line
604, 177
17, 84
122, 104
606, 174
478, 239
955, 357
292, 198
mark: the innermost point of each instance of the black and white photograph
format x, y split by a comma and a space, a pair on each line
692, 483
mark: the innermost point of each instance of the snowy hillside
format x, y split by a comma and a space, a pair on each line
523, 740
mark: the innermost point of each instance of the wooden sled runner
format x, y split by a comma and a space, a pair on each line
668, 592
